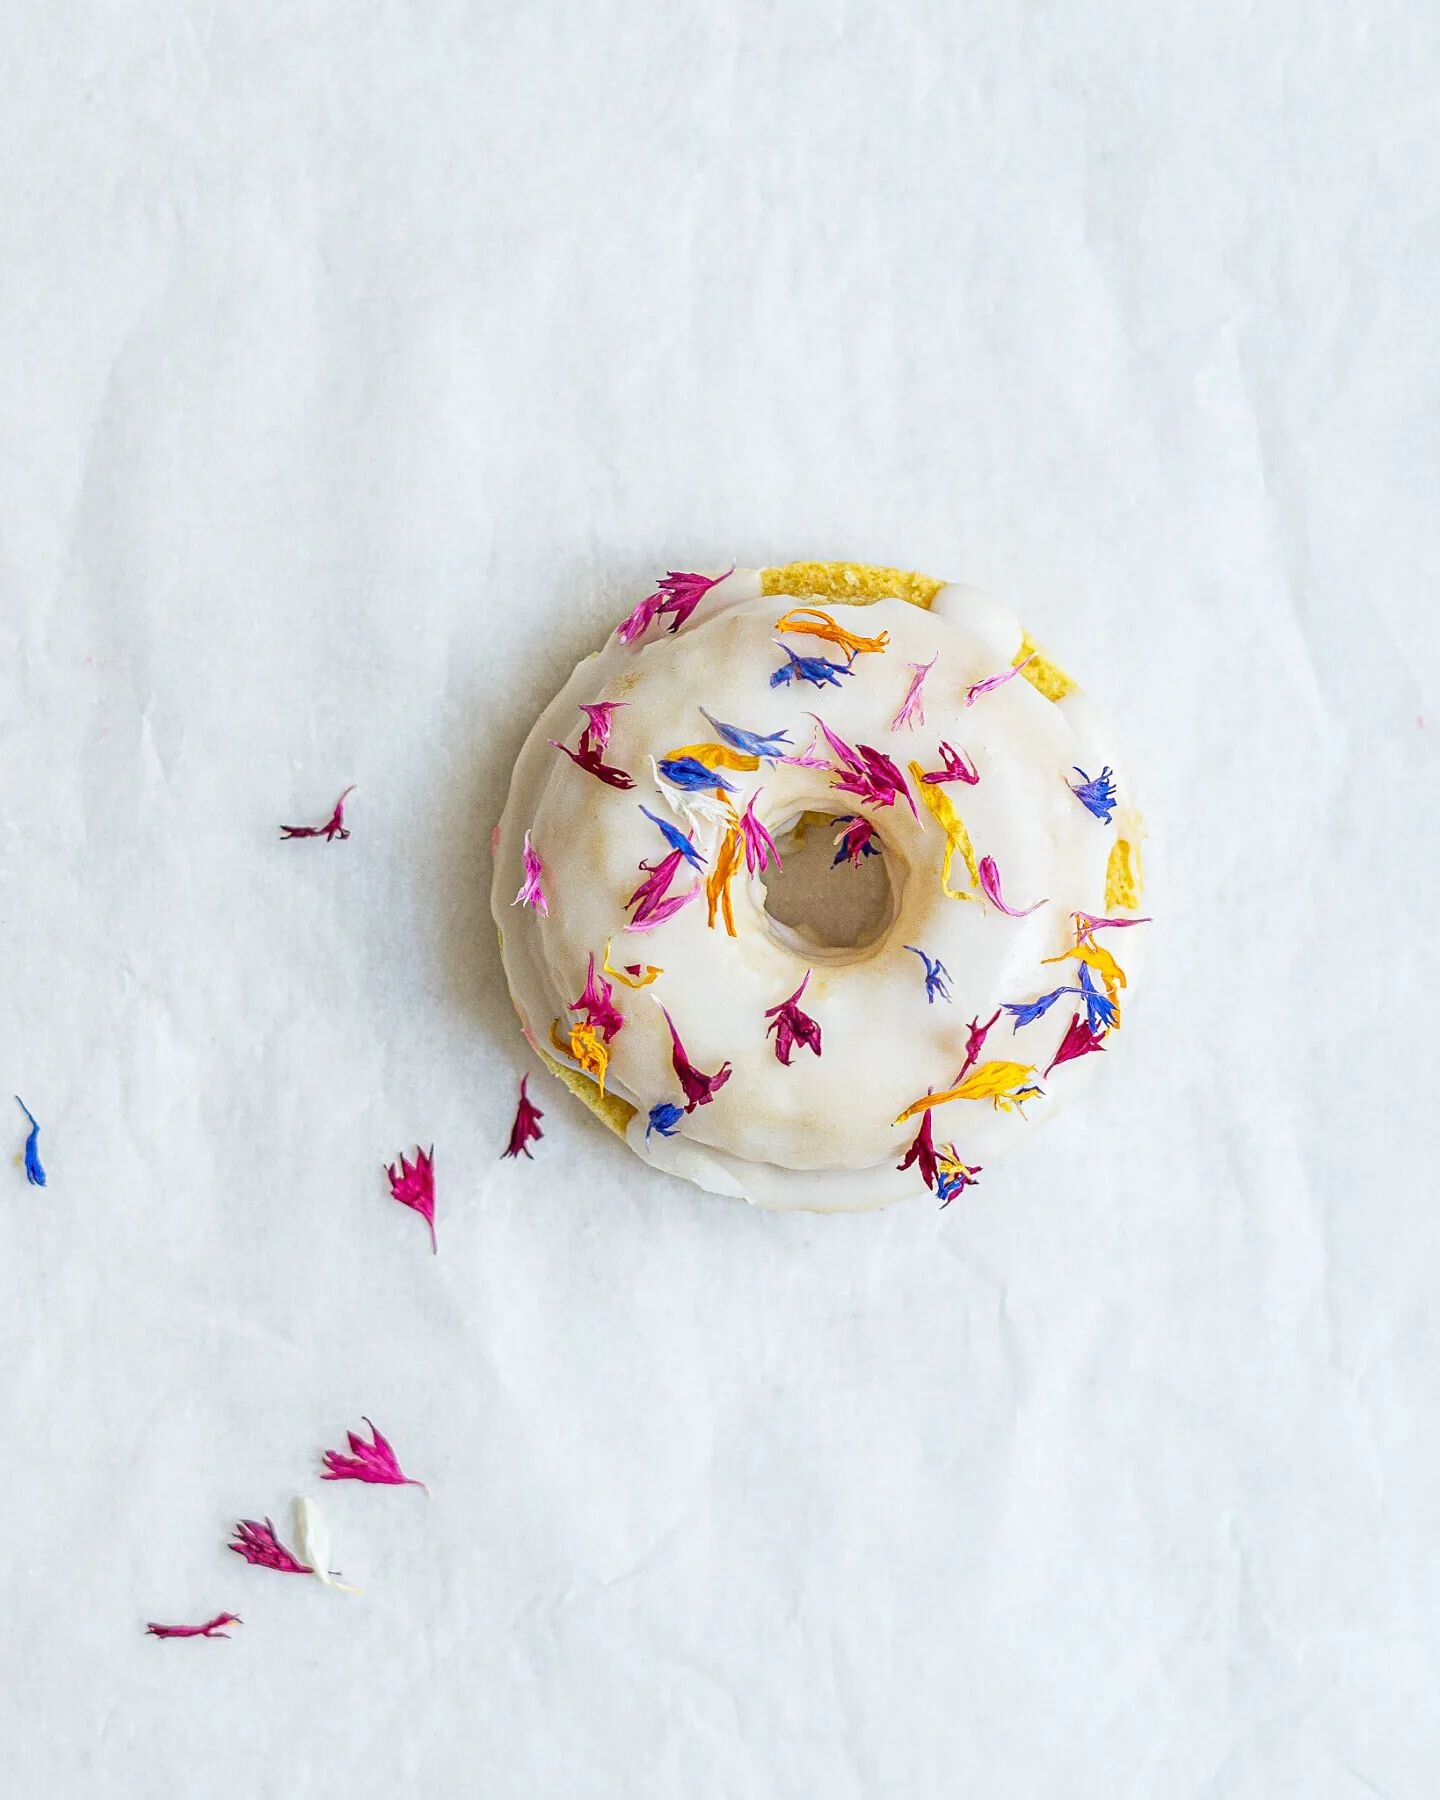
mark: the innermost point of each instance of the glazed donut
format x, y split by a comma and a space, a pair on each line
648, 816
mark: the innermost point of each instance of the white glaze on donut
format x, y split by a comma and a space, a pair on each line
819, 1133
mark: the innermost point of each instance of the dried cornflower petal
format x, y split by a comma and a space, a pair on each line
678, 595
531, 891
975, 1043
676, 838
810, 621
937, 976
413, 1185
526, 1129
258, 1544
601, 716
956, 767
374, 1462
855, 842
912, 707
792, 1026
717, 884
922, 1149
688, 772
993, 1081
750, 743
664, 1118
954, 1176
1079, 1040
976, 688
957, 839
990, 886
760, 849
34, 1171
1097, 795
212, 1628
334, 826
864, 771
597, 1004
699, 1089
633, 975
312, 1540
817, 670
587, 757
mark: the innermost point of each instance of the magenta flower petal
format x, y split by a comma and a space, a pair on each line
526, 1129
258, 1544
699, 1089
375, 1462
597, 1003
664, 909
211, 1627
531, 892
990, 887
792, 1026
976, 688
601, 716
922, 1149
975, 1043
912, 707
413, 1185
760, 849
1079, 1040
637, 622
587, 757
1087, 924
956, 766
334, 826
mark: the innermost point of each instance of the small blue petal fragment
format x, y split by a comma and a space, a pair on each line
690, 772
937, 977
34, 1173
1036, 1009
1100, 1009
664, 1118
1097, 796
814, 669
750, 743
676, 838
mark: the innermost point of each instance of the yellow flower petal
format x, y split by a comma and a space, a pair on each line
585, 1047
957, 838
714, 756
717, 882
631, 981
988, 1081
809, 621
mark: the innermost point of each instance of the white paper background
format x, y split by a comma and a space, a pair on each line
358, 363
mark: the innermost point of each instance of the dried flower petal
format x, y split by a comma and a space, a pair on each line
990, 887
633, 975
690, 772
815, 669
1100, 960
975, 1043
699, 1089
586, 1047
976, 688
922, 1149
1079, 1040
678, 595
989, 1081
937, 977
792, 1026
651, 892
855, 842
695, 807
713, 756
912, 707
597, 1004
1087, 924
1100, 1009
1097, 796
334, 826
957, 838
526, 1129
676, 838
750, 743
760, 849
664, 1118
587, 757
530, 890
601, 714
717, 884
413, 1185
374, 1462
864, 771
312, 1540
955, 1176
809, 621
34, 1171
258, 1544
1027, 1012
664, 909
957, 767
212, 1628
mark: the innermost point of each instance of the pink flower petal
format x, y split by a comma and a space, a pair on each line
990, 886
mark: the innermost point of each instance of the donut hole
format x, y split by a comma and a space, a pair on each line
830, 912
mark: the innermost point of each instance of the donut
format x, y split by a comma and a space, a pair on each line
906, 741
